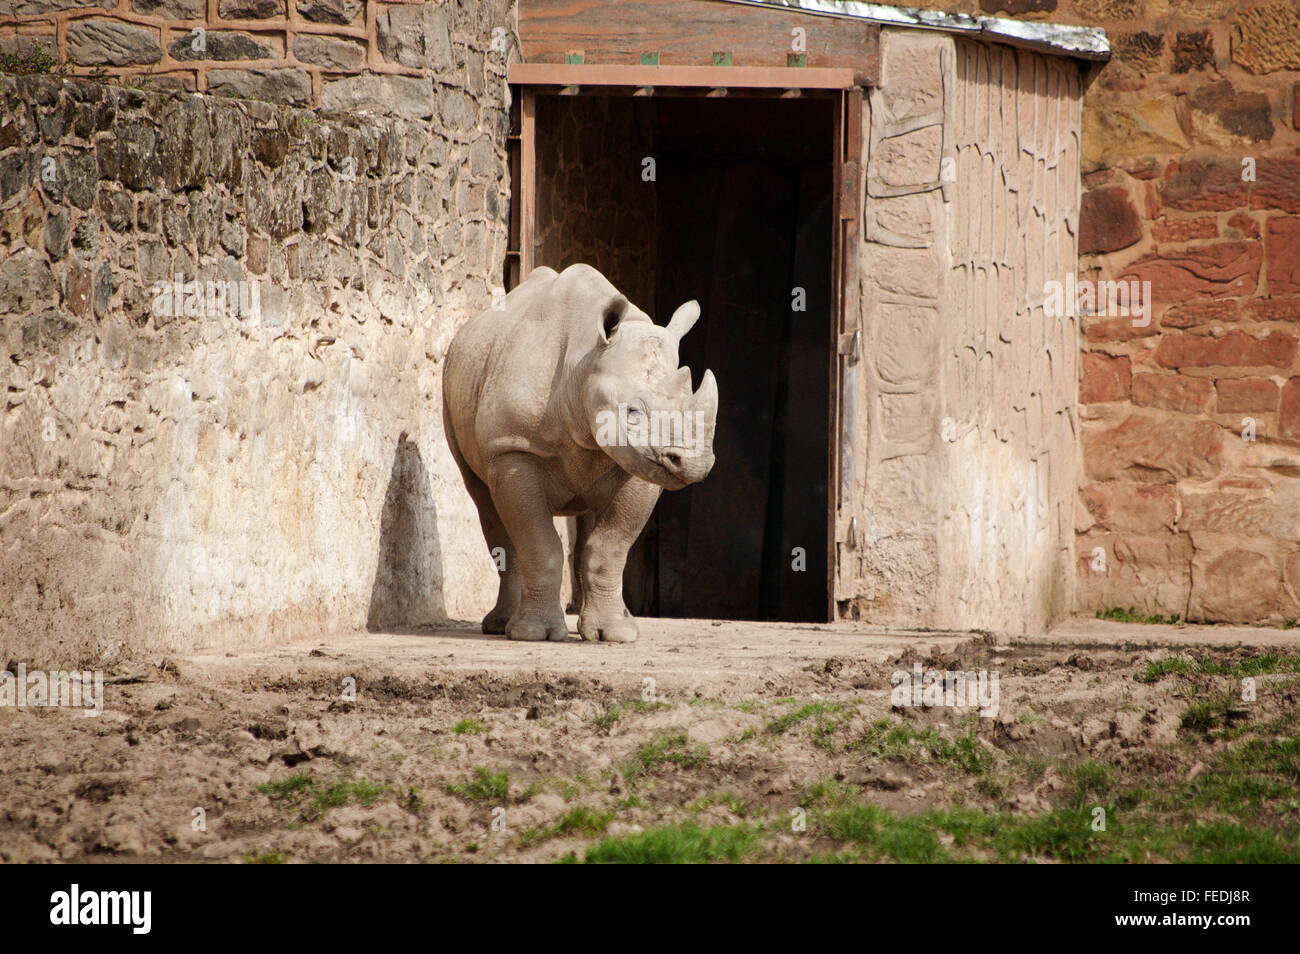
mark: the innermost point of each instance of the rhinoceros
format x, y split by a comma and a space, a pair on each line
566, 400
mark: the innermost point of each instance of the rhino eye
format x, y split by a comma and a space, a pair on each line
633, 414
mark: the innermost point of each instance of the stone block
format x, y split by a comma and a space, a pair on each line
292, 86
333, 53
410, 97
1108, 221
1236, 349
1282, 247
1173, 392
1220, 270
1236, 585
1266, 38
1153, 448
100, 42
1246, 396
1104, 379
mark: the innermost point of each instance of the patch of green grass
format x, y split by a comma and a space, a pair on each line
269, 858
287, 787
469, 727
296, 788
736, 804
1266, 663
607, 718
485, 786
1230, 843
338, 794
830, 793
922, 744
580, 819
632, 801
884, 834
1092, 782
1131, 615
1157, 669
1245, 779
1206, 714
663, 749
677, 844
784, 723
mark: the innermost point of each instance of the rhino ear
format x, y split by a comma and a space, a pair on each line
684, 319
615, 310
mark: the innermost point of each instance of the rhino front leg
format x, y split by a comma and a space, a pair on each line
519, 493
608, 536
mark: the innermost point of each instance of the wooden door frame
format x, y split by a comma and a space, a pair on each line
528, 81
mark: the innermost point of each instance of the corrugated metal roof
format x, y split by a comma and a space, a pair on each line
1086, 43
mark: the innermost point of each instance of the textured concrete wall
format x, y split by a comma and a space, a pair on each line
1191, 518
197, 477
966, 447
333, 53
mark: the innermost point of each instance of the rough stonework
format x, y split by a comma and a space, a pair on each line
297, 52
223, 327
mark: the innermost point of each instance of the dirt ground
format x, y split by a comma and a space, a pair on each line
704, 741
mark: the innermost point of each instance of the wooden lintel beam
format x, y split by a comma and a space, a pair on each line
733, 77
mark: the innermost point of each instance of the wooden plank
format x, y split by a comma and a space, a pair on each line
527, 180
731, 77
688, 32
834, 503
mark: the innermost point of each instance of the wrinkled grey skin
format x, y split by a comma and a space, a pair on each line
539, 399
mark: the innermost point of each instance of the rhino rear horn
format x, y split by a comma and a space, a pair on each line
679, 382
684, 319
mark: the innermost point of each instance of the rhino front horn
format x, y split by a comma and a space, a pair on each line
684, 319
706, 397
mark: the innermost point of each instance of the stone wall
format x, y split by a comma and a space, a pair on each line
331, 53
259, 455
966, 456
592, 204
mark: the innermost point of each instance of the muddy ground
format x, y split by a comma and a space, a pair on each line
702, 742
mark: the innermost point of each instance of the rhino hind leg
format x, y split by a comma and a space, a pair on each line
503, 555
519, 495
605, 539
500, 549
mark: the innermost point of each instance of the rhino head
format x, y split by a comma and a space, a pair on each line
639, 403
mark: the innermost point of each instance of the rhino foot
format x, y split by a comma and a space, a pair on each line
494, 624
535, 629
621, 630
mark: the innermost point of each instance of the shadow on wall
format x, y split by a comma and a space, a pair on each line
408, 578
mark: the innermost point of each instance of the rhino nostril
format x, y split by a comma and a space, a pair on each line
673, 460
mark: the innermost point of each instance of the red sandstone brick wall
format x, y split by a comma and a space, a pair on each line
1189, 515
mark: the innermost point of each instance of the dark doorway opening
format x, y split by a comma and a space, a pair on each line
738, 214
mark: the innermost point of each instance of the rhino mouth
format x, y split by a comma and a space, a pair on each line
682, 466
